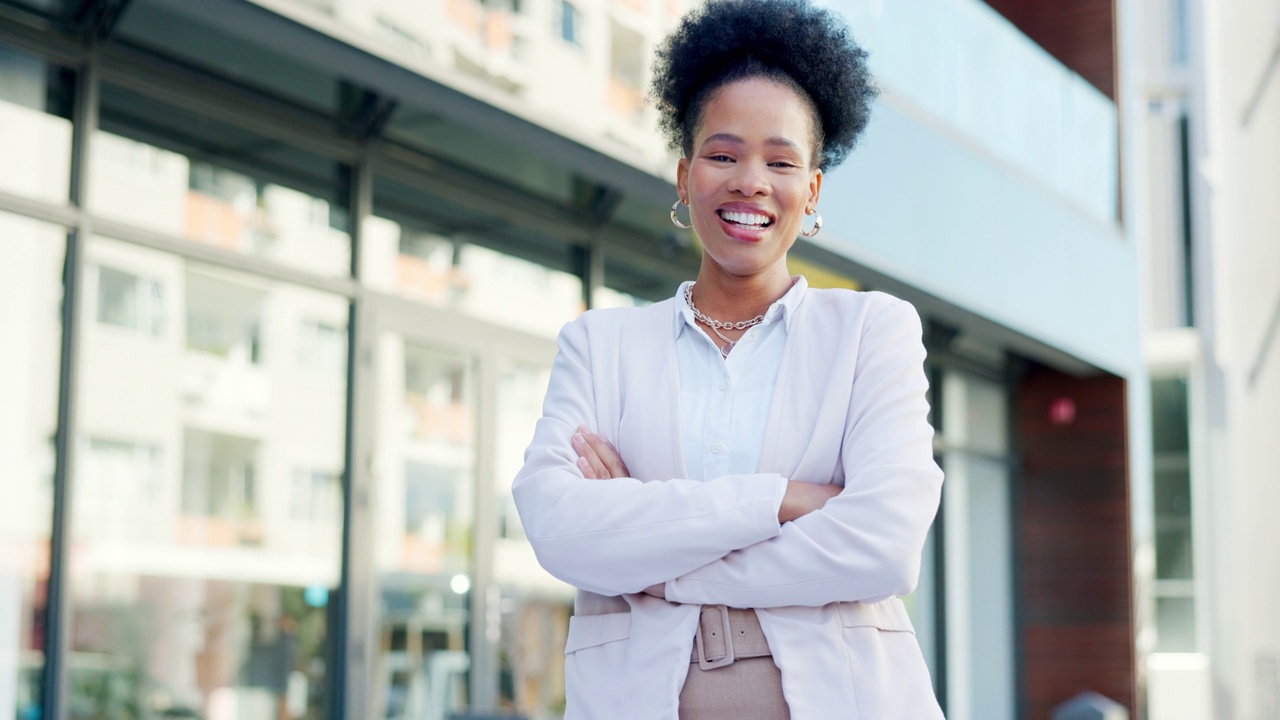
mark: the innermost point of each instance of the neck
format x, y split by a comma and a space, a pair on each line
732, 298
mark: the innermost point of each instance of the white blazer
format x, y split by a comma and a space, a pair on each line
849, 408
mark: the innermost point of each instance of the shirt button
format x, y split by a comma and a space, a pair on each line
724, 385
716, 448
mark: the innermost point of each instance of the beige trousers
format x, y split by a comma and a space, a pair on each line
750, 688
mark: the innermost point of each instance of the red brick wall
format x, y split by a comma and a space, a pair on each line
1076, 628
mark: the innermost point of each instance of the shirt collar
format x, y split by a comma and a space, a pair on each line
784, 307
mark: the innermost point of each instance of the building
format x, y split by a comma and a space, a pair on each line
281, 285
1205, 84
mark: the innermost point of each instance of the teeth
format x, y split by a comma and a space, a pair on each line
745, 218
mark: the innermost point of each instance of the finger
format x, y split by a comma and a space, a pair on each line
608, 455
588, 461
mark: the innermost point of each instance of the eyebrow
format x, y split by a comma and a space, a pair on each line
731, 138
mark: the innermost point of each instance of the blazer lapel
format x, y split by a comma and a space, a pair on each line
649, 427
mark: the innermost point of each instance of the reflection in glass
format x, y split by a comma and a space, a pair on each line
198, 588
128, 301
425, 489
472, 279
30, 331
165, 191
534, 606
35, 127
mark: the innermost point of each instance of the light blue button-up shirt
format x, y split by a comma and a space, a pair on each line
724, 402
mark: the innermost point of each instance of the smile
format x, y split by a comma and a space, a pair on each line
746, 219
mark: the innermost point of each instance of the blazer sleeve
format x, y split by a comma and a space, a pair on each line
622, 535
865, 544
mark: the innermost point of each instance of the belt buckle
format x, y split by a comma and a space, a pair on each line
725, 631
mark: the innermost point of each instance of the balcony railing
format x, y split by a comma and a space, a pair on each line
966, 65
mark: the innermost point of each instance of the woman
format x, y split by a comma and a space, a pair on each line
739, 480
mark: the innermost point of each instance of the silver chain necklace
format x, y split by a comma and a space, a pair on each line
716, 325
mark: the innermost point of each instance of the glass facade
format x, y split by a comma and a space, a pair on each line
206, 513
30, 310
426, 527
533, 608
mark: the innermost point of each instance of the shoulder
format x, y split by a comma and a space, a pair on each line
857, 308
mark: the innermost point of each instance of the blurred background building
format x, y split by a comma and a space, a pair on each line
1204, 173
280, 282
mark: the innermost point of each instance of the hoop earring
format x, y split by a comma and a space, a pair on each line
817, 227
675, 219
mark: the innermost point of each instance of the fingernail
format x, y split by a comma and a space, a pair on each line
579, 438
583, 465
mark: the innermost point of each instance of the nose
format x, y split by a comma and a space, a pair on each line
749, 178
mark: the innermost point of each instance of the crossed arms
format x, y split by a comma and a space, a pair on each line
729, 540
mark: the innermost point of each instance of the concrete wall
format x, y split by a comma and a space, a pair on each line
1241, 304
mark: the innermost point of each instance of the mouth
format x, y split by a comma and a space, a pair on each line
745, 219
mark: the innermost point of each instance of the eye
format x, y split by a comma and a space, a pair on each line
719, 157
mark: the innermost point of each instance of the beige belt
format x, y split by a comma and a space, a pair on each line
727, 634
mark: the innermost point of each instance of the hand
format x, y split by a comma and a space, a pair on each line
598, 459
803, 498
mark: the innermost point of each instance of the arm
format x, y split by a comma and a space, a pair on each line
865, 543
624, 535
598, 459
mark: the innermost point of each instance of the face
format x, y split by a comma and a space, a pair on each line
749, 179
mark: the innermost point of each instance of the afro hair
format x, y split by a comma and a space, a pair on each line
791, 41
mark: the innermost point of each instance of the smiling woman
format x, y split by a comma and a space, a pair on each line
750, 181
739, 480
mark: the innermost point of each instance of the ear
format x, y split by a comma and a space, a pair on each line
682, 179
815, 188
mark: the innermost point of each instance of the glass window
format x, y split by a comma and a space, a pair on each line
30, 329
1176, 624
224, 316
1175, 532
1178, 44
261, 198
322, 346
981, 663
534, 606
570, 22
35, 127
120, 474
425, 509
475, 280
128, 301
627, 71
198, 589
315, 495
